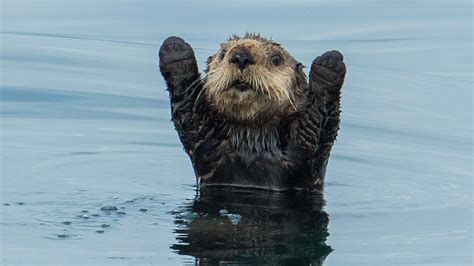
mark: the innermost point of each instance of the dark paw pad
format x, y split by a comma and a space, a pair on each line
330, 67
175, 50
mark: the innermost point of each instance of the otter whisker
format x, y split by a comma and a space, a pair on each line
193, 83
259, 86
197, 98
189, 91
267, 86
255, 85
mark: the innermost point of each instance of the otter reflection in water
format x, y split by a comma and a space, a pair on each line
242, 226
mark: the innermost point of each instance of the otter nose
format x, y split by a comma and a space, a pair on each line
242, 58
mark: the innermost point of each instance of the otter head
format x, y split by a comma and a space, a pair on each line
254, 79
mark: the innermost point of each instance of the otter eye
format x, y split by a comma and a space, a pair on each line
221, 56
276, 60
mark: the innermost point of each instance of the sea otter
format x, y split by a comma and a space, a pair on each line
254, 120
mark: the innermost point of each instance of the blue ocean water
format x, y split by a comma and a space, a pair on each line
85, 125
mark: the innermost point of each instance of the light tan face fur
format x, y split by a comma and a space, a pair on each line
271, 81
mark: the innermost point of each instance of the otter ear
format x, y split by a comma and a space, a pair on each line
299, 67
300, 75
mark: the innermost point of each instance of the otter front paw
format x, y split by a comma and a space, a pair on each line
328, 70
175, 52
178, 64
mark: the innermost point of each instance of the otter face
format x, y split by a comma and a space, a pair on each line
252, 78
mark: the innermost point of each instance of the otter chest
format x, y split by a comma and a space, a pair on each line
241, 157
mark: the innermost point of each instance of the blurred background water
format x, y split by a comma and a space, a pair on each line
85, 125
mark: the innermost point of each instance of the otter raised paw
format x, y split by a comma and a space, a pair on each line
254, 120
